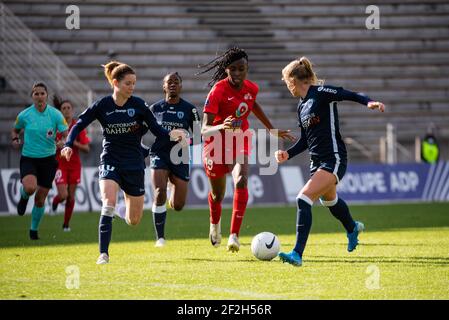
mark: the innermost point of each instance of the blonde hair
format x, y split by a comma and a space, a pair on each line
116, 70
301, 69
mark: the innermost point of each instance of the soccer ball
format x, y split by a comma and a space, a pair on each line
265, 246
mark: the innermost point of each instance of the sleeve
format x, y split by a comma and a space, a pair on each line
195, 126
300, 146
339, 94
213, 100
83, 138
157, 130
19, 124
61, 124
86, 118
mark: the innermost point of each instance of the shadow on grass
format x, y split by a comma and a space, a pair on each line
194, 224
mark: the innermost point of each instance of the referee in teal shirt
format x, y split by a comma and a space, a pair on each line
39, 123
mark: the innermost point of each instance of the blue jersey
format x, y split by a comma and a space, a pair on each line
318, 120
122, 131
175, 116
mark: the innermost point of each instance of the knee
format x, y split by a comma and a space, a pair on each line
217, 197
39, 202
63, 196
133, 220
241, 182
29, 189
178, 205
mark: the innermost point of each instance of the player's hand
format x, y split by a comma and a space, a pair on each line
227, 123
376, 105
16, 143
180, 136
281, 156
283, 134
67, 153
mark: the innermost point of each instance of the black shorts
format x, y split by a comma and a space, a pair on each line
182, 170
132, 182
44, 169
334, 166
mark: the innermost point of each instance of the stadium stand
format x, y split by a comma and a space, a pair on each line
405, 63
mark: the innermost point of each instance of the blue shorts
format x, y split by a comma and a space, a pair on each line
182, 170
132, 182
334, 166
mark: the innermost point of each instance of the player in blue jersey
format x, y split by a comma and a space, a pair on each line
320, 134
173, 112
121, 116
38, 164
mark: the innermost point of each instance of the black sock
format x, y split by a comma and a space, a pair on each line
159, 223
105, 233
303, 224
341, 211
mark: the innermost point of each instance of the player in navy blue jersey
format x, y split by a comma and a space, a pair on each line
320, 134
173, 112
122, 117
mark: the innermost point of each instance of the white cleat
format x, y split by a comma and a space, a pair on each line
160, 243
66, 229
103, 259
215, 234
121, 212
233, 243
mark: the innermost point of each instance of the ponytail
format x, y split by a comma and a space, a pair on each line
116, 70
302, 70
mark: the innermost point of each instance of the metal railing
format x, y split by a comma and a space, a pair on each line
26, 59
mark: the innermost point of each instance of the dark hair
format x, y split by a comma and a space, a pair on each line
39, 84
172, 74
116, 70
58, 102
220, 64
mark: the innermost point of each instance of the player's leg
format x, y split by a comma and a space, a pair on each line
28, 177
340, 210
215, 197
69, 206
134, 208
159, 178
38, 211
108, 191
178, 195
61, 185
317, 185
240, 201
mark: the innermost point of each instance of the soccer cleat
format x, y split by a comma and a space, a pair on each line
233, 243
160, 243
353, 240
121, 212
215, 234
291, 257
34, 235
54, 207
22, 206
66, 228
103, 258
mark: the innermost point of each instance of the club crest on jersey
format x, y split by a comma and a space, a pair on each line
242, 109
49, 133
180, 114
248, 96
131, 112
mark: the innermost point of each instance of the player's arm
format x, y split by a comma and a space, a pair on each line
82, 143
340, 94
300, 146
208, 129
159, 132
260, 114
16, 131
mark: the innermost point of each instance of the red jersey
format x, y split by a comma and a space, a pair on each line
75, 160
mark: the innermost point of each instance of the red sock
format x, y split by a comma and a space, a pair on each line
214, 209
56, 200
69, 205
238, 209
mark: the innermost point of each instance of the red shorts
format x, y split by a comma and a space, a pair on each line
217, 164
68, 175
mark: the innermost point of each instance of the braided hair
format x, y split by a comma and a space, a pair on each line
221, 62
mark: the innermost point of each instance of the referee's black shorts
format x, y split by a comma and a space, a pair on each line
44, 169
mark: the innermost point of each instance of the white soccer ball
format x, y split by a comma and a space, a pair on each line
265, 246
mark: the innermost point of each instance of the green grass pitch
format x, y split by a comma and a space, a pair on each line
404, 254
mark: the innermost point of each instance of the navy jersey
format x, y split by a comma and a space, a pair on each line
175, 116
318, 120
122, 130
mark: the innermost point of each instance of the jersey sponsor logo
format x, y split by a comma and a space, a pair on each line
242, 109
310, 120
131, 112
50, 133
328, 90
248, 96
180, 114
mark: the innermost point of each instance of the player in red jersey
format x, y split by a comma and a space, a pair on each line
68, 175
227, 140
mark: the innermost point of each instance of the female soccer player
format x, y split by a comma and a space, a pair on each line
226, 110
173, 112
121, 116
68, 175
318, 120
38, 164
